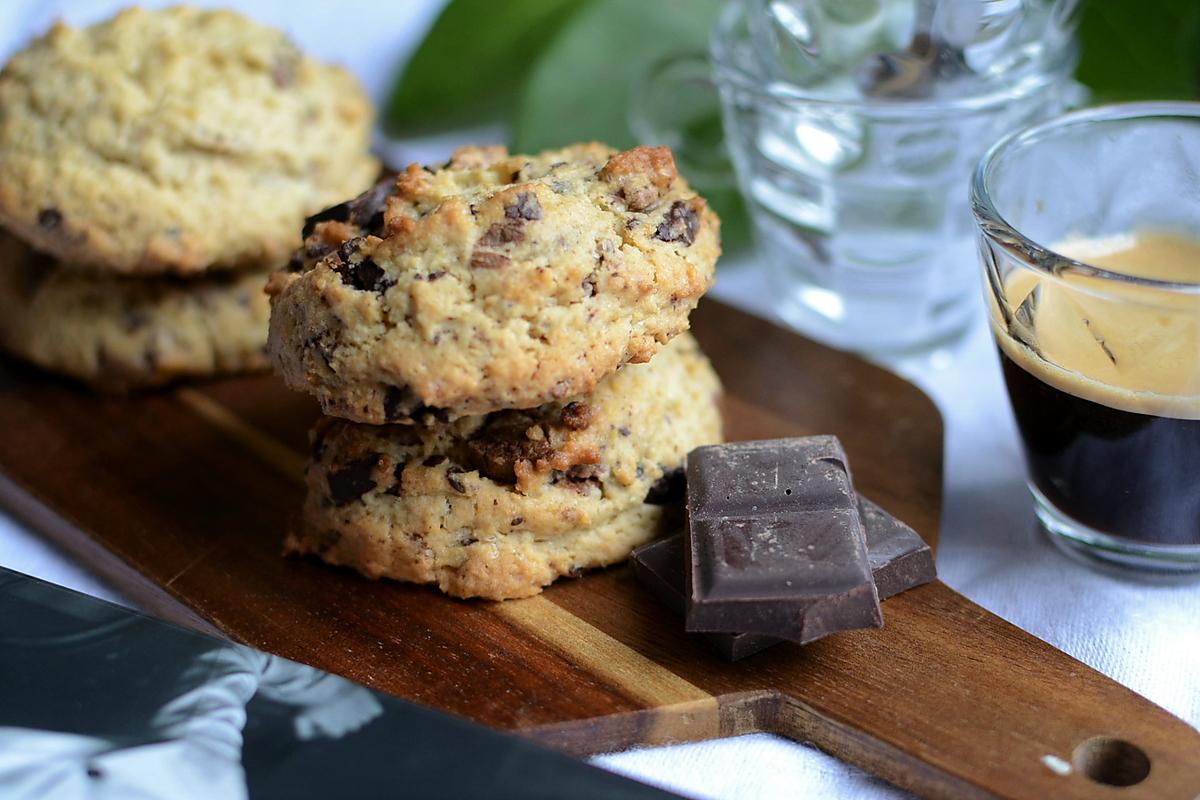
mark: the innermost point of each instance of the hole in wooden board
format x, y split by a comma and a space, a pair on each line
1113, 762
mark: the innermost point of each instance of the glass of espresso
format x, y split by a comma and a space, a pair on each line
1089, 234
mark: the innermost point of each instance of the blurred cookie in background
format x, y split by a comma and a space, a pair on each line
154, 168
117, 333
179, 140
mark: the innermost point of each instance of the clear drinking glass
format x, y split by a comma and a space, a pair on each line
857, 199
1089, 233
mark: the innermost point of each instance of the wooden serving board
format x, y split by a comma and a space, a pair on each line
181, 499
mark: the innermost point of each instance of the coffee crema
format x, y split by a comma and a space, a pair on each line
1104, 378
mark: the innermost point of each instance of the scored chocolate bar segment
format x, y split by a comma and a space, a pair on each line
899, 558
659, 567
775, 544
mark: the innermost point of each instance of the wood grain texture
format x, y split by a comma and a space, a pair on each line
181, 499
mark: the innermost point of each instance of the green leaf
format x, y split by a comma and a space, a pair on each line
582, 86
735, 221
472, 62
1140, 51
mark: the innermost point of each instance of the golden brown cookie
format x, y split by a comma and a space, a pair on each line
493, 282
177, 141
117, 333
498, 506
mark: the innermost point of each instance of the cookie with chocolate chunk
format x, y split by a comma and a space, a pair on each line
177, 140
496, 281
500, 505
117, 333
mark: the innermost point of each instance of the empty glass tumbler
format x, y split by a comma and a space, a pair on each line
853, 127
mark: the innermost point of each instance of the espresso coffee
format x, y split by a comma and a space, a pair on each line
1105, 386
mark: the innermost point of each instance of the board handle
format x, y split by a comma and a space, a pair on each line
968, 705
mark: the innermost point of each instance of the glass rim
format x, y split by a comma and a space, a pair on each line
1027, 82
1042, 258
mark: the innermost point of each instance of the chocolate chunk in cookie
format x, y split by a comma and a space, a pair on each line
352, 480
679, 225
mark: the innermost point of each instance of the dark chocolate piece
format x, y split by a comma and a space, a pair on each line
775, 544
659, 567
899, 558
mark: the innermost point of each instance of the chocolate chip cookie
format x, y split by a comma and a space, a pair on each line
178, 141
499, 505
117, 333
495, 281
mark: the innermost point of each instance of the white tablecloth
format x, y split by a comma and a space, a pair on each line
1144, 635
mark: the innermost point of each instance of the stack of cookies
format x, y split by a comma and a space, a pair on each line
154, 169
501, 346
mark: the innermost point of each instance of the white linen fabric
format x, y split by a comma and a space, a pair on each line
1144, 635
